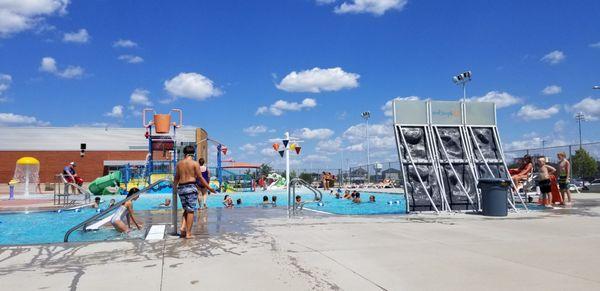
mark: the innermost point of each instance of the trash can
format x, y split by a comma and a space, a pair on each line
494, 195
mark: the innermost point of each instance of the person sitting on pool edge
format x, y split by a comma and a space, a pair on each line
298, 200
125, 211
238, 201
227, 201
112, 202
274, 200
266, 200
372, 198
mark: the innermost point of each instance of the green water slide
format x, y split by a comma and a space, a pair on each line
98, 186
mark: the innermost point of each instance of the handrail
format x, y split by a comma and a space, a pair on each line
118, 204
293, 183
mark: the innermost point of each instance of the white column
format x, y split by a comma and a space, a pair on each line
287, 161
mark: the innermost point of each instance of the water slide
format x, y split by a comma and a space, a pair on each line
278, 183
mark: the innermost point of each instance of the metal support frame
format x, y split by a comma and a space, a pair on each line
474, 140
460, 183
410, 159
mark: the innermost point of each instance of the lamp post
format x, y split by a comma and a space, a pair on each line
580, 117
366, 115
462, 79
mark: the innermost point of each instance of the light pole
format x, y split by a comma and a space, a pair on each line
580, 117
366, 115
462, 79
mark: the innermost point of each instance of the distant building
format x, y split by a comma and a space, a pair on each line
391, 174
106, 148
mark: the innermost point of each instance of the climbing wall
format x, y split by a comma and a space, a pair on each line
444, 147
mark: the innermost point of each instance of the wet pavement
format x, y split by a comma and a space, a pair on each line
261, 249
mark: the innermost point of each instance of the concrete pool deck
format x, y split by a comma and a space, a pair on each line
540, 250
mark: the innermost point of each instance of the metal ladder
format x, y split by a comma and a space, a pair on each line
293, 207
99, 215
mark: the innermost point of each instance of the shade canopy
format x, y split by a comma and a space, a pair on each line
28, 161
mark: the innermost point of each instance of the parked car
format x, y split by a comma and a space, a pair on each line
595, 186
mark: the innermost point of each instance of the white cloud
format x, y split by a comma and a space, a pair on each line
316, 158
131, 59
502, 99
125, 43
375, 7
11, 119
255, 130
381, 136
387, 107
80, 36
116, 112
317, 80
49, 65
5, 81
559, 126
71, 72
595, 45
329, 146
317, 133
140, 97
268, 152
531, 112
192, 86
551, 90
359, 147
248, 148
280, 106
20, 15
588, 106
554, 57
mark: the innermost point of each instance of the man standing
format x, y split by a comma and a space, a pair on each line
564, 167
186, 175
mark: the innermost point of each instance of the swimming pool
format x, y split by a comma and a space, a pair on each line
50, 226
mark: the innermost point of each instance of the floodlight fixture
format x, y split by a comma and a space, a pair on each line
462, 79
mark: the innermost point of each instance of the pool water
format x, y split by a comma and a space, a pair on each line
50, 227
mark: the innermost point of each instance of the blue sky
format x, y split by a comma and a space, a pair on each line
227, 63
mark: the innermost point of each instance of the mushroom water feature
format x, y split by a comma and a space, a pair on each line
27, 171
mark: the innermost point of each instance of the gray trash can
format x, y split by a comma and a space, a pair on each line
494, 194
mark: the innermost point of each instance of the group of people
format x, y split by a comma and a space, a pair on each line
327, 179
547, 176
353, 196
228, 201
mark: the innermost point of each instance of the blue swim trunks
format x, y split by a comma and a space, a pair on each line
188, 195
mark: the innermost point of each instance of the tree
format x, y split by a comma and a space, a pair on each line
584, 165
307, 177
293, 174
265, 169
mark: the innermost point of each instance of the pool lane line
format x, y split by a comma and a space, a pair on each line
319, 211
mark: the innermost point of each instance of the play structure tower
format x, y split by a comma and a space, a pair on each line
161, 133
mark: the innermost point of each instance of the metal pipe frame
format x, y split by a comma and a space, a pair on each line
405, 144
460, 183
486, 163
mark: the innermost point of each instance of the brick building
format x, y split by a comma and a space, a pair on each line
55, 147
